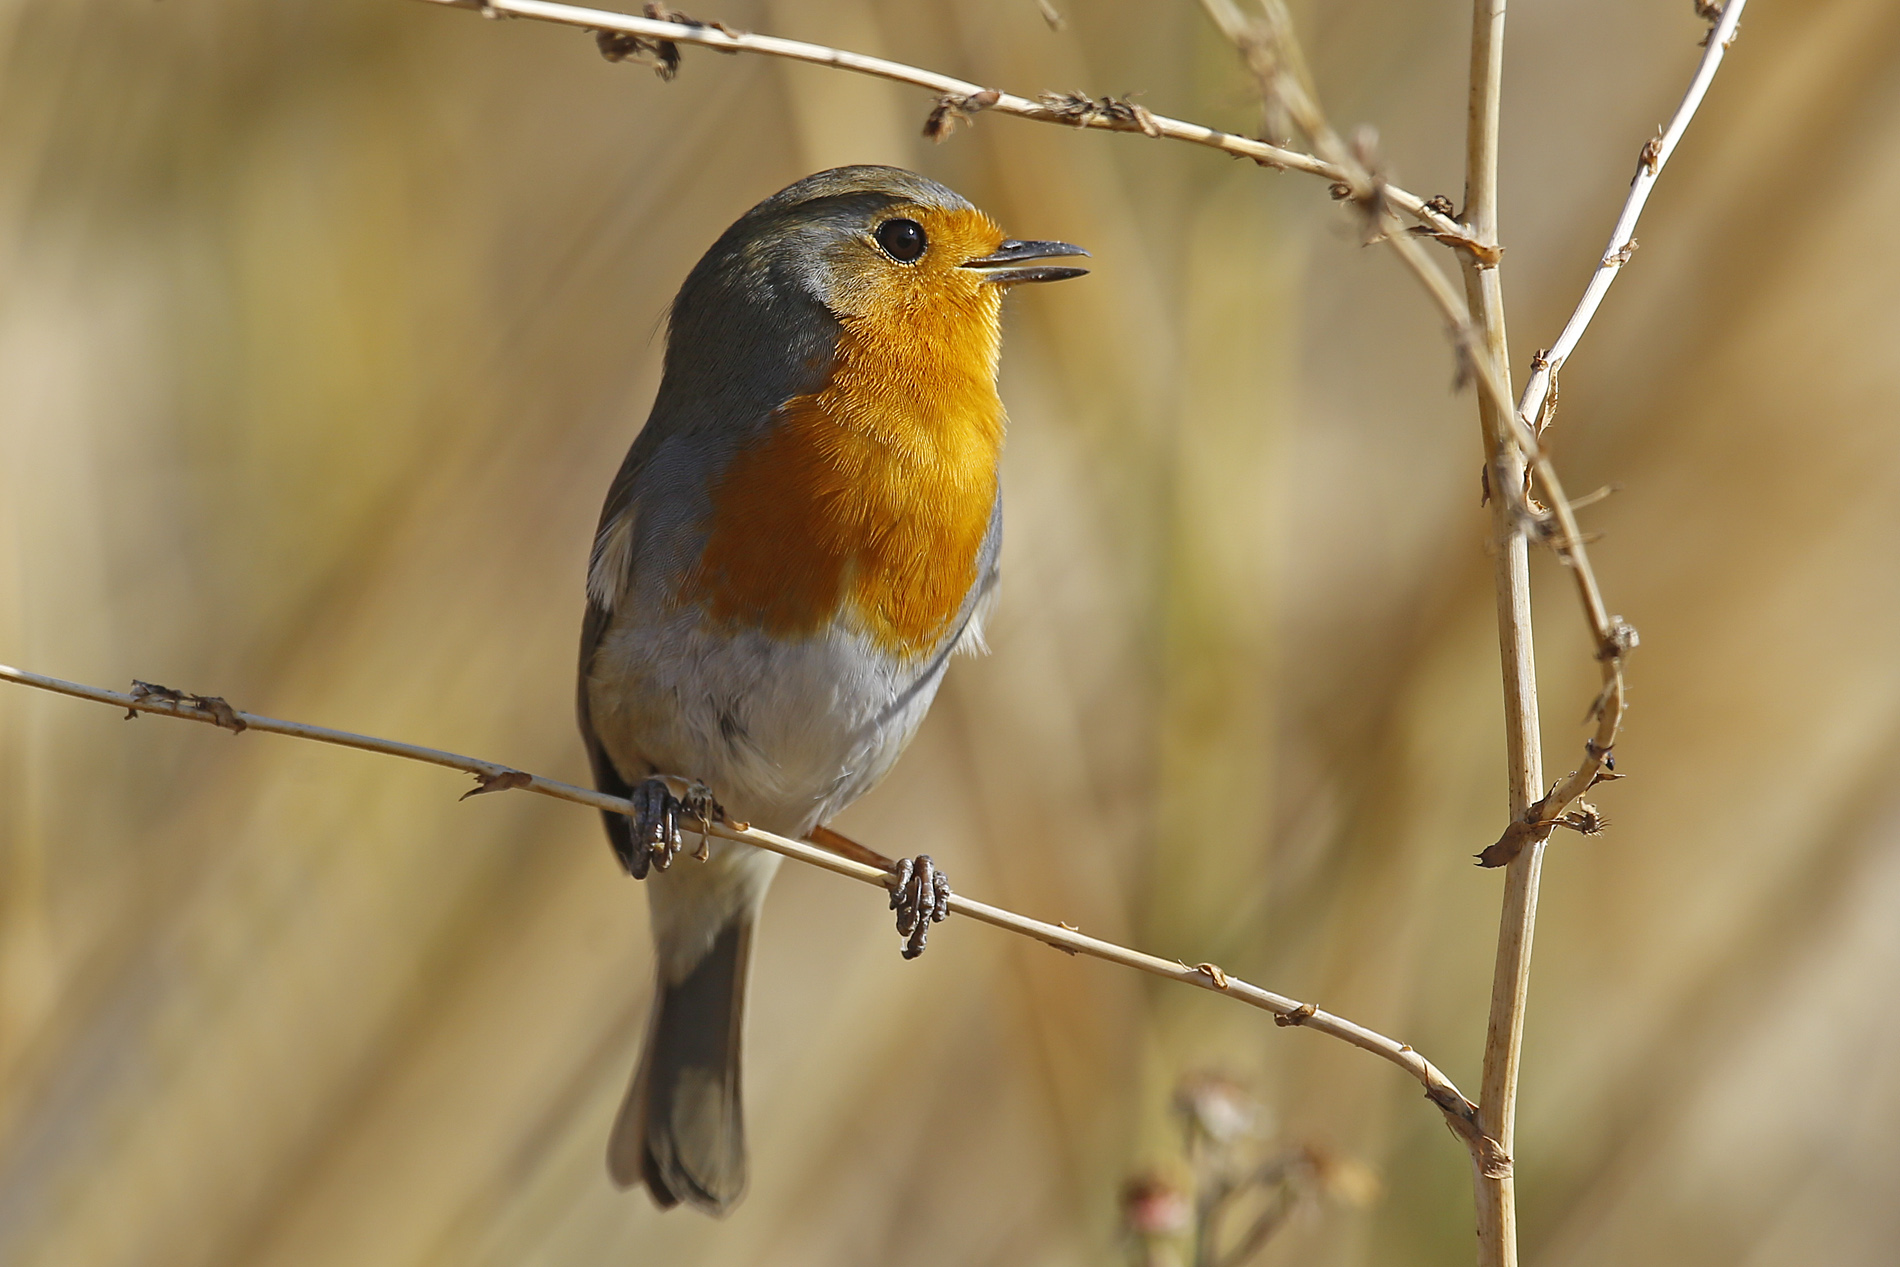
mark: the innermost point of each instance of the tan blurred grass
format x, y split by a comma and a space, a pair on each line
321, 330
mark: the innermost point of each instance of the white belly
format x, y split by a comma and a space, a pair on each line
785, 732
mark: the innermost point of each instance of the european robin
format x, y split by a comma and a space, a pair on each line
801, 536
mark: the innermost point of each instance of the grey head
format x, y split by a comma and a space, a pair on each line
759, 312
761, 292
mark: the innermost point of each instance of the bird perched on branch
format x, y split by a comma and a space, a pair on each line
801, 536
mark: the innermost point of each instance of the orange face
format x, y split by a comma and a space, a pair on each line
905, 278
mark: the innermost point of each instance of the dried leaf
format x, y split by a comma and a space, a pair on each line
1510, 844
1709, 12
1586, 819
498, 781
1494, 1161
1651, 157
1621, 640
662, 55
152, 691
222, 713
951, 111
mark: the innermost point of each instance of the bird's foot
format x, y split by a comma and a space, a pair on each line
660, 805
920, 894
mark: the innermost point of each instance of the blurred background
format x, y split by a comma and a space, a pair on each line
322, 330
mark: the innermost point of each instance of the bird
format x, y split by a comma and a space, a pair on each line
802, 535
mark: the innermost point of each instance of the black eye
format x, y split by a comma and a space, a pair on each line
902, 240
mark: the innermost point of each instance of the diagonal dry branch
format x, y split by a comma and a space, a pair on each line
1459, 1112
1649, 164
958, 95
1270, 48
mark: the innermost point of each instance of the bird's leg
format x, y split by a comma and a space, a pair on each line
920, 894
659, 805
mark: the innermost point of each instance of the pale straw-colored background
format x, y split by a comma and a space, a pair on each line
322, 327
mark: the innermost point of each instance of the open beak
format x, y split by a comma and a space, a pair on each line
1014, 262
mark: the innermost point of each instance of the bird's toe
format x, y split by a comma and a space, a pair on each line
660, 805
920, 894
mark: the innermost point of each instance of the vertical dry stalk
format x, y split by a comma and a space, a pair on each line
1492, 1181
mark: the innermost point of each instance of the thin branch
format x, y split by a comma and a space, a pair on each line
1649, 164
1068, 109
1474, 356
492, 776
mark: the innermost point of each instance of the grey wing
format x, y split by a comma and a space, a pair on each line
609, 569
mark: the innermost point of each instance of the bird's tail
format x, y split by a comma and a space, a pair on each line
681, 1130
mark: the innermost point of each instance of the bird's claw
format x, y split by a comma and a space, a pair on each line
660, 804
920, 894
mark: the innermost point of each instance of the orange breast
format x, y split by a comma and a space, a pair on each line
870, 497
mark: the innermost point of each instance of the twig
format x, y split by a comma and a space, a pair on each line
1474, 355
1050, 108
1459, 1112
1655, 154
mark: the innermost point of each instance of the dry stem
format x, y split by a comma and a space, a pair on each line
1459, 1112
1494, 1186
1521, 846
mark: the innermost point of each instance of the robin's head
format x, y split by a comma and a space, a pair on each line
880, 249
872, 241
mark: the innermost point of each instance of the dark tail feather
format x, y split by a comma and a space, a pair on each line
681, 1130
